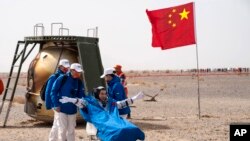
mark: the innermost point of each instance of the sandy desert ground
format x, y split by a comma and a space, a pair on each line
225, 99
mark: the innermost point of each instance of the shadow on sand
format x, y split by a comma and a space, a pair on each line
151, 126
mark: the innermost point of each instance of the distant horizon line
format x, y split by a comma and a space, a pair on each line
173, 70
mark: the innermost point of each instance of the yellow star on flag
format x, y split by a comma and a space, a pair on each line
184, 14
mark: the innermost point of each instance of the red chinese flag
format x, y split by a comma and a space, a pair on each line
172, 27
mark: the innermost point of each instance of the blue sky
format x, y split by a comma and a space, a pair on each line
223, 28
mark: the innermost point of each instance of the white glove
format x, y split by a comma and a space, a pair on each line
77, 101
140, 95
66, 99
81, 103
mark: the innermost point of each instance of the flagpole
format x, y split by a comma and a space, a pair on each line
198, 82
197, 60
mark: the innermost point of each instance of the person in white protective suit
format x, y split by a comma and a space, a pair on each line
102, 112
